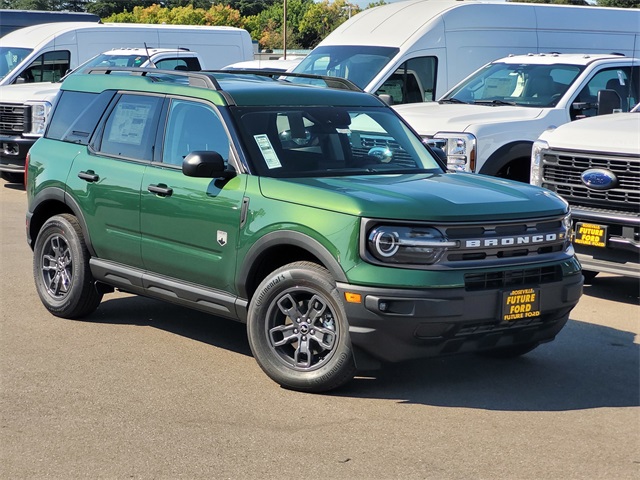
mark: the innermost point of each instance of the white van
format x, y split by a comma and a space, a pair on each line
415, 51
44, 53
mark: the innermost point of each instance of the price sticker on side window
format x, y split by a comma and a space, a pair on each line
520, 304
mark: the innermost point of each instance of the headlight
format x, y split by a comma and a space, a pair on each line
39, 114
407, 245
567, 223
536, 162
460, 148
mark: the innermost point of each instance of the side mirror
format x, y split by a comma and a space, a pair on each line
206, 164
386, 98
608, 101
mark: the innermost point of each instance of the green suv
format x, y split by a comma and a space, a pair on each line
315, 215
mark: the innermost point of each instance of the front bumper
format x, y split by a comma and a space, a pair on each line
396, 324
13, 152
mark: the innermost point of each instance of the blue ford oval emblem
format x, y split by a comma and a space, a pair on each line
599, 178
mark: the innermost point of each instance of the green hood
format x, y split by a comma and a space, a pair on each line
443, 197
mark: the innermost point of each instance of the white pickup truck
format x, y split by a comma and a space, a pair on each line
488, 122
23, 122
594, 164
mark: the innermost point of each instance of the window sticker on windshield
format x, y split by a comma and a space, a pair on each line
621, 77
268, 152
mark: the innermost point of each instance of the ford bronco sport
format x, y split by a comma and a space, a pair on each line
313, 214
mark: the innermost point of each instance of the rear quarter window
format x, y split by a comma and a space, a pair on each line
68, 109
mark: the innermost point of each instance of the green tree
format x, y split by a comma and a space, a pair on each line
619, 3
322, 18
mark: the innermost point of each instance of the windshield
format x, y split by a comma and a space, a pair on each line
112, 60
523, 85
10, 58
331, 141
358, 64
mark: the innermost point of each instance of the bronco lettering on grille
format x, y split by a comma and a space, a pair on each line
512, 241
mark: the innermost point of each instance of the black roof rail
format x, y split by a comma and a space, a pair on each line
331, 82
206, 78
196, 79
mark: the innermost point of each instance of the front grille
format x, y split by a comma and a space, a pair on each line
506, 240
12, 118
512, 278
561, 172
367, 142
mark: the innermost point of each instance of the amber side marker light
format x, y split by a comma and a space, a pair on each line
353, 297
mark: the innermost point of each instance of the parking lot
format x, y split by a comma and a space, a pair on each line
142, 389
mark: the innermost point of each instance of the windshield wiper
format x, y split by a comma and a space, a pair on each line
494, 102
450, 100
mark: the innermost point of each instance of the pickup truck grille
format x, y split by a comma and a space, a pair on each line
562, 170
12, 118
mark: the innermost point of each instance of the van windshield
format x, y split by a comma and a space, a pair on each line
525, 85
360, 64
10, 58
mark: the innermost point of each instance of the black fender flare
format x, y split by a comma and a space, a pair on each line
505, 155
277, 239
39, 207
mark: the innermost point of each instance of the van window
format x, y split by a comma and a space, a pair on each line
131, 127
10, 58
359, 64
413, 82
193, 126
190, 64
48, 67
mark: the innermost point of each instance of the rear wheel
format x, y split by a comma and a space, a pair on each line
61, 269
298, 330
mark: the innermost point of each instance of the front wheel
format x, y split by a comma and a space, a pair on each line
298, 330
61, 269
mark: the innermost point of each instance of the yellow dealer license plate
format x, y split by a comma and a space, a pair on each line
520, 304
590, 234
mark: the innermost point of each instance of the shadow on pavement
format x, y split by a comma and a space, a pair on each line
587, 366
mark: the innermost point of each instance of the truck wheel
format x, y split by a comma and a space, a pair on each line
298, 330
61, 269
13, 177
509, 352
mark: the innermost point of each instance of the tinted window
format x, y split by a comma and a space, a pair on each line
68, 108
130, 129
48, 67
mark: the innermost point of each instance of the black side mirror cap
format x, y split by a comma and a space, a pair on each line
206, 164
608, 101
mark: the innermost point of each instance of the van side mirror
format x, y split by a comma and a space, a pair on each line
206, 164
386, 98
608, 101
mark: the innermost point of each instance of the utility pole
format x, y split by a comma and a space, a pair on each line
284, 31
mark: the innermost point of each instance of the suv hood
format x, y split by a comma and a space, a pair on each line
29, 91
432, 117
447, 197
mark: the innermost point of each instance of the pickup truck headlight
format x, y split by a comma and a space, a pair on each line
39, 114
460, 148
536, 162
407, 245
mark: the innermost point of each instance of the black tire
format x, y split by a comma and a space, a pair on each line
13, 177
61, 269
298, 329
589, 275
509, 352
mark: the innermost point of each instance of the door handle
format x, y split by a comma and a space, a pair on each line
161, 190
90, 176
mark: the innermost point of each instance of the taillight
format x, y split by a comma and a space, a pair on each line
26, 169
